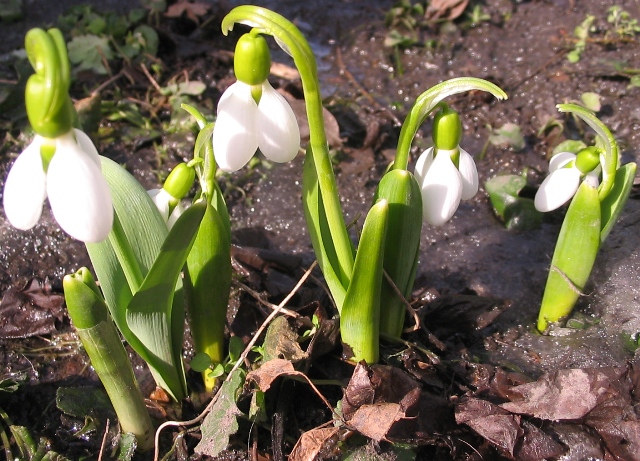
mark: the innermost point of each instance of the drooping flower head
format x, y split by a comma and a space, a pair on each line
61, 162
176, 186
446, 173
566, 171
252, 114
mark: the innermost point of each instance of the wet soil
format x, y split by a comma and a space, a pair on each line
487, 279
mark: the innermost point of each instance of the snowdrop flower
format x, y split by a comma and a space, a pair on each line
566, 170
71, 178
446, 173
176, 186
252, 114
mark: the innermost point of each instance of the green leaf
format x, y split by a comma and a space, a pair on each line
222, 421
508, 134
151, 313
89, 51
336, 274
591, 101
360, 317
573, 257
569, 145
402, 243
517, 213
614, 203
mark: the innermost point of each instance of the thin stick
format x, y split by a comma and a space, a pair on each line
240, 360
271, 306
407, 305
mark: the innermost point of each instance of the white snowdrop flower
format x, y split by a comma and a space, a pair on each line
169, 207
563, 181
443, 185
243, 126
78, 193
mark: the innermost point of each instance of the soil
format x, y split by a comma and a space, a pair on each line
479, 285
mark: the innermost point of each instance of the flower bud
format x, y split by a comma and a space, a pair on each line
180, 180
252, 60
447, 129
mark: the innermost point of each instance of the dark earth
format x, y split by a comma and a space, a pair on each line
478, 382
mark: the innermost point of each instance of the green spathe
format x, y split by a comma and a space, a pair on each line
573, 258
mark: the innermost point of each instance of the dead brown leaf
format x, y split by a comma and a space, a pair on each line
30, 310
311, 443
445, 9
193, 11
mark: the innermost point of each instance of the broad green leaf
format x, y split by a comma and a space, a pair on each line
573, 257
402, 244
613, 203
150, 314
89, 51
569, 145
509, 134
144, 232
517, 213
360, 317
222, 421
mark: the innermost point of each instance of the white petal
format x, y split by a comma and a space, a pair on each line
441, 191
557, 189
423, 164
175, 214
593, 178
560, 159
25, 188
469, 174
87, 146
161, 198
78, 193
234, 137
277, 127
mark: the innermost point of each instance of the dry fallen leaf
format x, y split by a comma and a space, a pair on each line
193, 11
312, 442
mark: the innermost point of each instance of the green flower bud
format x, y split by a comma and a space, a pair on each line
588, 159
447, 129
180, 180
84, 300
252, 60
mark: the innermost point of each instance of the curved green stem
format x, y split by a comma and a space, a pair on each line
609, 159
49, 107
289, 37
427, 102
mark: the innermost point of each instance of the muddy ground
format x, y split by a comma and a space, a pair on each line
470, 268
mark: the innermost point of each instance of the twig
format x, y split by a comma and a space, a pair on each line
151, 79
104, 440
240, 360
271, 306
407, 305
103, 85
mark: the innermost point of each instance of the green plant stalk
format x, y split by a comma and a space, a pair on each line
49, 106
614, 203
401, 246
108, 356
207, 284
427, 102
573, 257
323, 212
360, 318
